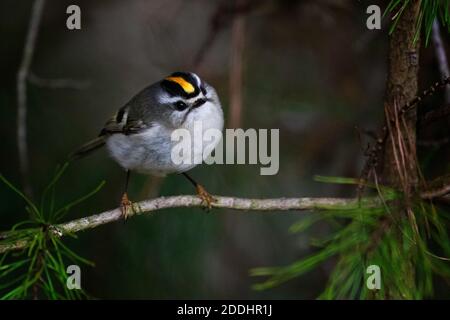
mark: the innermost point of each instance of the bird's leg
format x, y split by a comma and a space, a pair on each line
204, 195
125, 204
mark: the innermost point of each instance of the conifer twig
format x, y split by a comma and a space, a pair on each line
240, 204
151, 205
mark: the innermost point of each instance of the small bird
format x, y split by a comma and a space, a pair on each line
138, 136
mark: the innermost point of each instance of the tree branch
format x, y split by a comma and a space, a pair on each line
58, 83
22, 75
441, 56
149, 206
438, 189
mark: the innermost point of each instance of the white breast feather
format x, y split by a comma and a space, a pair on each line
150, 150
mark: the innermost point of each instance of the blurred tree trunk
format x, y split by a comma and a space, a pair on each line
400, 163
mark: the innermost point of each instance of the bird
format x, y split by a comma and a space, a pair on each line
138, 135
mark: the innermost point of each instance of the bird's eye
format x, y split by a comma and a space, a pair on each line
180, 105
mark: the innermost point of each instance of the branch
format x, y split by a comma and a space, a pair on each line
149, 206
58, 83
435, 143
22, 75
441, 56
437, 188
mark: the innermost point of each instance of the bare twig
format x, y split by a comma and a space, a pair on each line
438, 188
22, 75
58, 83
441, 56
149, 206
437, 193
15, 245
435, 143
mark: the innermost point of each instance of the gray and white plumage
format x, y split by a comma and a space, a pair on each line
138, 136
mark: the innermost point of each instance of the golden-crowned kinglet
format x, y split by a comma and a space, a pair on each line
138, 136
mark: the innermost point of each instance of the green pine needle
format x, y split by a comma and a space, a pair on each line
430, 10
40, 269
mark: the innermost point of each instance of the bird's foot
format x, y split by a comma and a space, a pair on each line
126, 206
206, 198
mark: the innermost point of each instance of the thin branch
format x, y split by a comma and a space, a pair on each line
22, 75
58, 83
439, 191
15, 245
437, 188
435, 143
149, 206
441, 56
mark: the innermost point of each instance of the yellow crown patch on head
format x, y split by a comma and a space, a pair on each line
187, 86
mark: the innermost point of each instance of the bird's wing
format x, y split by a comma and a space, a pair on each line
124, 122
128, 120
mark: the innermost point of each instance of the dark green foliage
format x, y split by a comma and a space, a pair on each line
39, 270
394, 238
429, 11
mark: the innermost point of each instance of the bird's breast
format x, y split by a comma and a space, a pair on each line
150, 151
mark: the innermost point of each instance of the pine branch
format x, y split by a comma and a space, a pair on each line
149, 206
434, 191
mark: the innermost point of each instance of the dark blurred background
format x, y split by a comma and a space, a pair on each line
310, 68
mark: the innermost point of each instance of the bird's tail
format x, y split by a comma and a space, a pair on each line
87, 148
